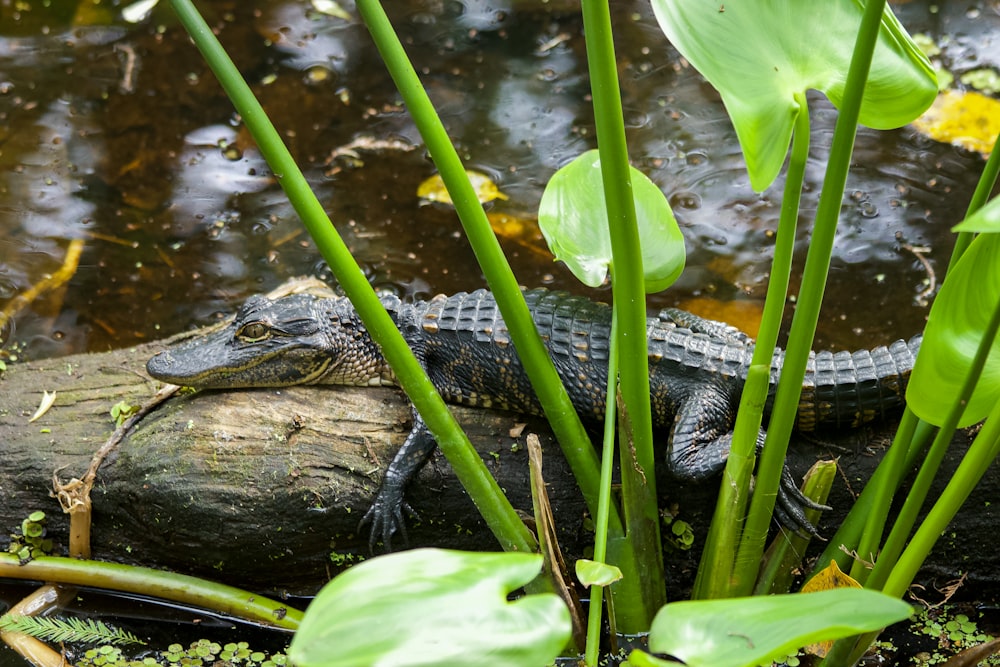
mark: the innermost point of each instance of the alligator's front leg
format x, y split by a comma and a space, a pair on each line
386, 513
699, 446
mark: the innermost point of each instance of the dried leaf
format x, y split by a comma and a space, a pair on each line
826, 579
43, 407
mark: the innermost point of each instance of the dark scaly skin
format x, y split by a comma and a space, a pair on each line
697, 370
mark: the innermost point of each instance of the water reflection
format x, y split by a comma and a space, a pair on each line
118, 134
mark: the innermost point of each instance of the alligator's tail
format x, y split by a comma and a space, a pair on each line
851, 388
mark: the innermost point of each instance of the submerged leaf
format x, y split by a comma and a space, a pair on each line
573, 217
967, 119
433, 189
759, 54
433, 607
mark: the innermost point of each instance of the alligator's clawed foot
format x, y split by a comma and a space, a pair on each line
791, 505
385, 517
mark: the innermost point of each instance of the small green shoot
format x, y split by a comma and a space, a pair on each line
591, 573
121, 411
32, 541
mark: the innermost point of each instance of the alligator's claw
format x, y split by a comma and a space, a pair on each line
386, 513
791, 504
385, 517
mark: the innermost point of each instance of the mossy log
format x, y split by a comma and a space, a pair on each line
264, 488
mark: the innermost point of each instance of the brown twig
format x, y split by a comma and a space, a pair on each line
924, 295
74, 495
46, 284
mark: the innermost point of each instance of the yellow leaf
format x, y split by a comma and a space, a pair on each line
486, 190
970, 120
44, 405
828, 578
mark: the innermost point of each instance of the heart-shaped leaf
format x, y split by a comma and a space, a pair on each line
574, 220
760, 54
433, 607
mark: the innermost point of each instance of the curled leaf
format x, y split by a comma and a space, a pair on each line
44, 405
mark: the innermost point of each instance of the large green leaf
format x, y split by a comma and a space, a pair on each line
574, 220
741, 632
760, 53
961, 311
433, 607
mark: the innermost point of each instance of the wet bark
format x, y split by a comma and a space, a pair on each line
264, 488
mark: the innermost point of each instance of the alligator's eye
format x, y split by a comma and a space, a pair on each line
253, 332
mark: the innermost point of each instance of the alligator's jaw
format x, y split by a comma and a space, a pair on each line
215, 363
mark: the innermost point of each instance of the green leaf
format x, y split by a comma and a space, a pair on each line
741, 632
433, 607
986, 219
591, 573
760, 53
957, 320
574, 220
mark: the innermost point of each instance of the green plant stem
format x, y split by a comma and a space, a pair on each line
813, 286
921, 485
556, 404
469, 467
907, 516
848, 536
961, 484
783, 559
982, 453
628, 285
983, 189
164, 585
895, 568
728, 575
894, 463
604, 506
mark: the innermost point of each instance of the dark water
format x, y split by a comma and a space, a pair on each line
117, 134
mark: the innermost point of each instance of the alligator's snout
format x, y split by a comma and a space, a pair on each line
162, 366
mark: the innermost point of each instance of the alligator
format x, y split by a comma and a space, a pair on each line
697, 370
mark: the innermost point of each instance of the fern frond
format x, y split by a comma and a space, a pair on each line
69, 629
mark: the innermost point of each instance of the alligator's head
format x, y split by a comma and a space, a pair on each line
297, 339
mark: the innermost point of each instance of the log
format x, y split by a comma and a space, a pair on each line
264, 488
